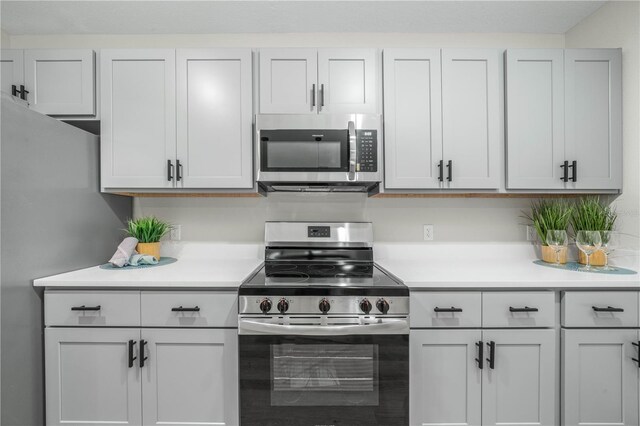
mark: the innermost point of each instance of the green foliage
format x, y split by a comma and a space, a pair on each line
590, 214
147, 229
549, 214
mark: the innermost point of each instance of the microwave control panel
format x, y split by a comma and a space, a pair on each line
367, 150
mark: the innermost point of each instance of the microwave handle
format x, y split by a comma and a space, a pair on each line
352, 151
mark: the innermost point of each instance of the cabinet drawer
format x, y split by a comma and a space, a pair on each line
600, 309
189, 309
518, 309
92, 308
446, 309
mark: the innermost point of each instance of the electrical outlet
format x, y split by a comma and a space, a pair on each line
176, 232
428, 232
531, 233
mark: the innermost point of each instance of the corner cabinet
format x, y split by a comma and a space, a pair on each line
176, 119
564, 119
319, 81
442, 118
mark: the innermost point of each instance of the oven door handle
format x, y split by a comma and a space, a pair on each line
387, 326
353, 150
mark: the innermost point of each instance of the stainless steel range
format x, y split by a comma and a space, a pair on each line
324, 333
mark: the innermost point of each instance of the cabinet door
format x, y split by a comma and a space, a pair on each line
88, 379
471, 118
521, 386
190, 377
61, 81
535, 118
288, 81
445, 381
214, 118
593, 114
11, 69
600, 379
348, 81
138, 135
413, 118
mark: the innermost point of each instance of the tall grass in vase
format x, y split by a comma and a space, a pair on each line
592, 214
550, 215
148, 231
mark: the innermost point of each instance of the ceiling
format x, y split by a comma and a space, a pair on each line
287, 16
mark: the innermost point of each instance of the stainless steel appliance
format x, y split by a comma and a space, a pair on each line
319, 152
323, 332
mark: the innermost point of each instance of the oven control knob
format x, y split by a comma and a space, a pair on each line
265, 305
283, 306
382, 305
365, 306
324, 306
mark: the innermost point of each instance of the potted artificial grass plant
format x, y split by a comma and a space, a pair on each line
550, 215
148, 231
591, 214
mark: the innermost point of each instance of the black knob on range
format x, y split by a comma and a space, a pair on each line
283, 306
365, 306
382, 305
265, 305
324, 306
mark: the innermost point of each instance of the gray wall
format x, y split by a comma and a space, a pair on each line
53, 220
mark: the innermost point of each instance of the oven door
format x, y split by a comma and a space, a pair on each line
321, 379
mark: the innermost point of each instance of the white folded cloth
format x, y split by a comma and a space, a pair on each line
122, 255
142, 259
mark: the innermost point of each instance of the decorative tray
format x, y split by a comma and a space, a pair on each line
575, 266
163, 261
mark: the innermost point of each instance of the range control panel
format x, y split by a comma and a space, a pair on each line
367, 150
319, 231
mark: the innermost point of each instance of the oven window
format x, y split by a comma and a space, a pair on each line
303, 155
324, 375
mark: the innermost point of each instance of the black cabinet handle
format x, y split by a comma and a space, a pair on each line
449, 170
492, 354
565, 171
169, 170
143, 358
322, 95
479, 360
181, 309
14, 90
637, 345
574, 171
440, 170
86, 308
131, 357
525, 309
451, 309
23, 92
607, 309
313, 94
178, 171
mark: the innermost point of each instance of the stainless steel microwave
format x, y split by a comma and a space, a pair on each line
319, 153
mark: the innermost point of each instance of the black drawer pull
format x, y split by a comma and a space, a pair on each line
638, 346
131, 357
86, 308
492, 354
607, 309
479, 360
451, 309
143, 358
181, 309
525, 309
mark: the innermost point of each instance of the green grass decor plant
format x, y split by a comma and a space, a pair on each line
549, 214
591, 214
147, 229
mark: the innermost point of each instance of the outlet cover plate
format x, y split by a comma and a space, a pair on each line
531, 233
176, 232
428, 232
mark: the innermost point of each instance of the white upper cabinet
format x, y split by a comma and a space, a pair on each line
412, 118
11, 70
593, 114
471, 118
138, 139
214, 118
535, 113
60, 81
311, 81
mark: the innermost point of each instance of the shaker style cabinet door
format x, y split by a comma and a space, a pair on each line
190, 377
88, 378
471, 118
535, 124
593, 117
138, 133
348, 81
445, 381
214, 121
60, 81
413, 118
600, 379
288, 81
11, 69
519, 386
